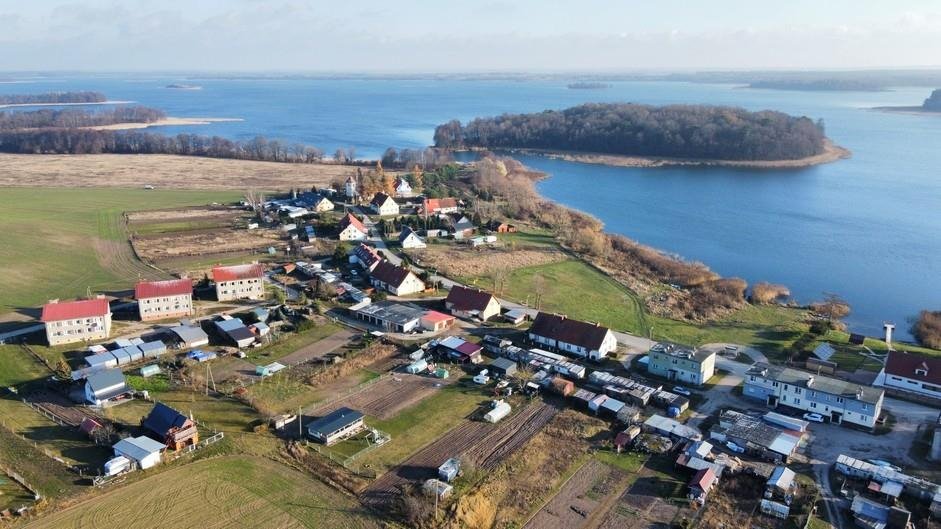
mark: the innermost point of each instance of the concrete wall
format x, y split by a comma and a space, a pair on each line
83, 329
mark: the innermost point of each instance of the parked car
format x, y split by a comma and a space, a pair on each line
680, 390
813, 417
734, 447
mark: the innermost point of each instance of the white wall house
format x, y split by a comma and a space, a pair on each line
142, 450
911, 373
351, 229
382, 204
239, 282
410, 240
837, 400
76, 321
579, 338
395, 279
164, 299
680, 364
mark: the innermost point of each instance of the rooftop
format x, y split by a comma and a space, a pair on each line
561, 328
334, 421
466, 299
389, 273
680, 351
391, 311
833, 386
236, 272
70, 310
157, 289
350, 220
916, 367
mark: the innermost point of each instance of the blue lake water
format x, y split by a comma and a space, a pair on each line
866, 228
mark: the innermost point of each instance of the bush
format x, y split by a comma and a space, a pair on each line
927, 329
764, 293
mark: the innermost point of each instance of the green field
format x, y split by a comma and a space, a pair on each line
18, 366
289, 343
59, 243
214, 493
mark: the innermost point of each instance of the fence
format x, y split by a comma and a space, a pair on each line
22, 481
48, 414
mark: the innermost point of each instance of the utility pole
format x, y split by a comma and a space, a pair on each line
300, 429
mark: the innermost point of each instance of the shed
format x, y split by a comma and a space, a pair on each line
596, 403
449, 469
436, 487
122, 342
135, 353
101, 360
515, 316
500, 410
611, 406
783, 421
336, 426
624, 438
201, 356
142, 450
105, 385
190, 335
781, 480
149, 370
417, 367
153, 349
628, 414
122, 356
503, 367
583, 397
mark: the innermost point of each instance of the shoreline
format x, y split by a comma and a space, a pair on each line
831, 153
165, 122
910, 110
18, 105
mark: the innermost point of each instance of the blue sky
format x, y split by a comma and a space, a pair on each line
491, 35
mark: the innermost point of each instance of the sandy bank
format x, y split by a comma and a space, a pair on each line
166, 122
831, 153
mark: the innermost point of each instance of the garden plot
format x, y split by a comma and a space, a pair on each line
388, 395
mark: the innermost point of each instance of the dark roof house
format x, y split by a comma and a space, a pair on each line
174, 428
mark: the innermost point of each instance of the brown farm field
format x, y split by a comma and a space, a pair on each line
222, 492
162, 171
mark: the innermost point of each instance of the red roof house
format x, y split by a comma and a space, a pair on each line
73, 310
472, 303
913, 373
702, 483
237, 272
162, 289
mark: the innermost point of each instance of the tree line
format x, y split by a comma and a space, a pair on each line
680, 131
52, 98
74, 118
933, 102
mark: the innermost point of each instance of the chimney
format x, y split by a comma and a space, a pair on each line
889, 327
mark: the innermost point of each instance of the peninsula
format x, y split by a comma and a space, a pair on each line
644, 136
932, 105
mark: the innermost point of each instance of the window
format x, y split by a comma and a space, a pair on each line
897, 379
839, 400
921, 372
797, 390
785, 387
864, 418
797, 401
774, 384
813, 405
752, 378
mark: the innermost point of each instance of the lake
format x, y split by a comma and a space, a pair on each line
866, 228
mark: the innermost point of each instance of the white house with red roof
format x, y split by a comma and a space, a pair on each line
157, 300
77, 321
352, 229
912, 373
239, 282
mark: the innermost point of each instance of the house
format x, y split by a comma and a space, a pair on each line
365, 256
409, 239
461, 350
496, 226
239, 282
435, 321
837, 400
402, 187
395, 279
585, 340
336, 426
515, 316
322, 204
175, 429
352, 229
463, 228
471, 303
190, 336
143, 451
781, 483
76, 321
157, 300
350, 187
105, 386
502, 367
391, 316
702, 483
681, 364
911, 373
382, 204
236, 331
625, 437
436, 206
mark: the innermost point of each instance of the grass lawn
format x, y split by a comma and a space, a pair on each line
626, 461
42, 472
235, 491
58, 243
61, 441
424, 422
289, 343
18, 366
575, 288
528, 238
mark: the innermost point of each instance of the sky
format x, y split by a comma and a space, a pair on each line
466, 35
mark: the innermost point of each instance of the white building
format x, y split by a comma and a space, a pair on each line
104, 386
349, 188
157, 300
402, 188
76, 321
410, 240
351, 229
680, 364
582, 339
472, 303
383, 205
836, 400
323, 204
239, 282
911, 373
395, 279
142, 450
